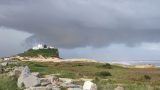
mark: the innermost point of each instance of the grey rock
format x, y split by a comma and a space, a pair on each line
119, 88
66, 80
88, 85
52, 87
44, 83
16, 71
27, 80
36, 74
36, 88
74, 89
20, 69
71, 85
54, 80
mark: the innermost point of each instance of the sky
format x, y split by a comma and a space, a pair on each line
98, 29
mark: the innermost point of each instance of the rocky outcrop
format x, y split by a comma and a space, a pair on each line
27, 80
31, 81
88, 85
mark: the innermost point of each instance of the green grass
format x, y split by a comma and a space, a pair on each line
7, 83
108, 77
129, 78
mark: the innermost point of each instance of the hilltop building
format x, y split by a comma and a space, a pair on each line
41, 46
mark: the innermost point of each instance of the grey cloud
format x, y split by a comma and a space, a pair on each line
80, 23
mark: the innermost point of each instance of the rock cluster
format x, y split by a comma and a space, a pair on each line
32, 81
28, 80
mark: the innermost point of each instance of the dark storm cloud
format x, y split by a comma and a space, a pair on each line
80, 23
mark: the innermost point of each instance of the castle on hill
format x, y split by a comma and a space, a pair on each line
41, 46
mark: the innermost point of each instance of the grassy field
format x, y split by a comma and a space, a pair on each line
7, 83
106, 76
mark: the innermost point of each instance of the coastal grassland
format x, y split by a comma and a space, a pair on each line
7, 83
106, 76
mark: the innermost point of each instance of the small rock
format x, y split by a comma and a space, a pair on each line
74, 89
35, 74
52, 87
88, 85
73, 86
66, 80
36, 88
44, 83
54, 80
119, 88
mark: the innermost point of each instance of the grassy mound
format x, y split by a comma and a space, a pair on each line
43, 52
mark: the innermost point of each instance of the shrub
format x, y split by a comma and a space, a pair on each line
96, 79
104, 74
147, 77
106, 66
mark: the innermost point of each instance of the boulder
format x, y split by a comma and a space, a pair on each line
88, 85
119, 88
27, 80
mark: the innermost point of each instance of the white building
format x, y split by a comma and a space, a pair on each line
41, 46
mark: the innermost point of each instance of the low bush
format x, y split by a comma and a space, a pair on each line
106, 66
103, 74
147, 77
